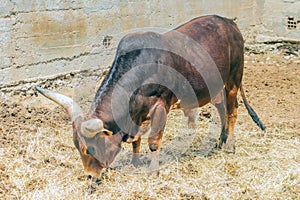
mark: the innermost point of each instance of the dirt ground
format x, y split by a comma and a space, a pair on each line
39, 161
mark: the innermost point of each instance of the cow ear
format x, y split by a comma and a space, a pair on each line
105, 133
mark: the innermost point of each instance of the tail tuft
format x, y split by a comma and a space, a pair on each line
251, 112
254, 116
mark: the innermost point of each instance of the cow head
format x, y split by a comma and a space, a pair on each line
97, 146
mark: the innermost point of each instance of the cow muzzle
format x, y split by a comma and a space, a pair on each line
92, 174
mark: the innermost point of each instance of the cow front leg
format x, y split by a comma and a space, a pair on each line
158, 117
136, 152
154, 146
219, 103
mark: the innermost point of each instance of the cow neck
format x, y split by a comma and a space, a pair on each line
101, 107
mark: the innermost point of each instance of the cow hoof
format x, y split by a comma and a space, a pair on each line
192, 125
154, 168
136, 162
228, 148
221, 144
154, 173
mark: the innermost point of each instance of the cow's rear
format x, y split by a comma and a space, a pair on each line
224, 43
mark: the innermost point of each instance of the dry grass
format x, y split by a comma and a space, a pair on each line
39, 160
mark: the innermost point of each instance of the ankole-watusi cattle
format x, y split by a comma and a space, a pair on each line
199, 62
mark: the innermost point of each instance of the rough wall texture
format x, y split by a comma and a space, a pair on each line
43, 39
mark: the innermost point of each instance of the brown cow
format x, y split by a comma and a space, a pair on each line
193, 63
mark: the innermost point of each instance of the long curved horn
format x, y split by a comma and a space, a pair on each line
91, 127
72, 107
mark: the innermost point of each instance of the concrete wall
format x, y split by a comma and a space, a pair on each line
45, 38
272, 20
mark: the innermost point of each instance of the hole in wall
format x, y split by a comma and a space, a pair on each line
107, 41
291, 23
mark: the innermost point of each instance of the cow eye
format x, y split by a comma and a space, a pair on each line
90, 151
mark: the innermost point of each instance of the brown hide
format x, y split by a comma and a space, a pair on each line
193, 63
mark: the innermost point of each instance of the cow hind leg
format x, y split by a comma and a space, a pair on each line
219, 103
230, 119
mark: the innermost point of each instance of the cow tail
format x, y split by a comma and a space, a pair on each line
251, 112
